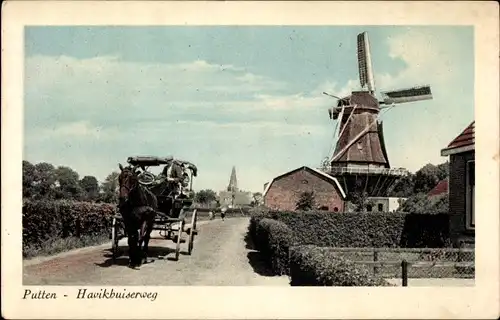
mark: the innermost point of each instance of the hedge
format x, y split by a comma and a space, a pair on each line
48, 220
316, 266
364, 229
274, 239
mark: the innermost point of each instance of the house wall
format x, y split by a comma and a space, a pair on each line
284, 192
241, 198
457, 198
388, 204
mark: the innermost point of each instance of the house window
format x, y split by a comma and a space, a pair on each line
336, 209
324, 208
380, 207
470, 192
369, 208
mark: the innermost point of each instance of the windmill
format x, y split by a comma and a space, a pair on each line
359, 159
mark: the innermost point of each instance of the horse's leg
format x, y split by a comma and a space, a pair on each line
147, 235
133, 248
144, 239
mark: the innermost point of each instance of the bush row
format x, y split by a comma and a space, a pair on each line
274, 239
46, 220
364, 229
289, 242
306, 265
316, 266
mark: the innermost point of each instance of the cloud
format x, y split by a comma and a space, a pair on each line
429, 58
106, 90
337, 89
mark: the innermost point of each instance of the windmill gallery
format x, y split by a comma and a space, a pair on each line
359, 163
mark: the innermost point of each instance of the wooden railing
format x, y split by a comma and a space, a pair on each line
461, 261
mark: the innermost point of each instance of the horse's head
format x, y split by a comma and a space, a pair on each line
127, 181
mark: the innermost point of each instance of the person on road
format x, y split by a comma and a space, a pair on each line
223, 212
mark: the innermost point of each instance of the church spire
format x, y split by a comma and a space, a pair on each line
233, 182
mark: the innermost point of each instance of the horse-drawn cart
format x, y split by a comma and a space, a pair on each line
171, 219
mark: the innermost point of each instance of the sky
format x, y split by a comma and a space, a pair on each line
224, 96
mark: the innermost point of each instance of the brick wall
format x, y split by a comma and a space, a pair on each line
457, 194
285, 191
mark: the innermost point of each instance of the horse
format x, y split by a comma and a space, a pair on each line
138, 207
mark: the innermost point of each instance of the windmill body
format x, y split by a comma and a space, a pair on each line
360, 161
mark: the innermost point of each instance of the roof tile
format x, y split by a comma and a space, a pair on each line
464, 139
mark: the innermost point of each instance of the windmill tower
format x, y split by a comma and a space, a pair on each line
360, 161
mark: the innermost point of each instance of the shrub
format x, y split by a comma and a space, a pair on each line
316, 266
49, 220
252, 227
273, 239
352, 229
306, 201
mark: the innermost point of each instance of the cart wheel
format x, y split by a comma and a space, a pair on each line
165, 232
114, 239
192, 232
179, 236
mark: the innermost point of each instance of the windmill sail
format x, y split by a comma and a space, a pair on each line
408, 95
365, 63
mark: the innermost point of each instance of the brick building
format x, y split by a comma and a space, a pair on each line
283, 192
461, 187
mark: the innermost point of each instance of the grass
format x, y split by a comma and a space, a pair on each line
58, 245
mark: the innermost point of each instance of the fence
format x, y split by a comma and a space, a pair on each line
407, 263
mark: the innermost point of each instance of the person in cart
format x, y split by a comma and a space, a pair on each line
171, 178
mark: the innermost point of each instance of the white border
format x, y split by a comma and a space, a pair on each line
481, 301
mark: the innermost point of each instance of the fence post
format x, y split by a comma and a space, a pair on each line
404, 273
375, 259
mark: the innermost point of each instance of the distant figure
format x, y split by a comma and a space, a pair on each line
223, 212
217, 208
210, 215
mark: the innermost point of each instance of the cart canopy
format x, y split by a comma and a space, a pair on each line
158, 161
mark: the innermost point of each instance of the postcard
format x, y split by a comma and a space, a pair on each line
250, 159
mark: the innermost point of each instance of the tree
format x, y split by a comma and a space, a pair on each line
403, 187
109, 188
422, 181
306, 201
257, 199
28, 179
44, 181
428, 177
360, 201
443, 170
205, 196
90, 186
421, 203
68, 186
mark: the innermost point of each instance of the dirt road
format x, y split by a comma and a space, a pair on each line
220, 258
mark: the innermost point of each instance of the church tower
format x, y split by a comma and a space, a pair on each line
232, 196
233, 182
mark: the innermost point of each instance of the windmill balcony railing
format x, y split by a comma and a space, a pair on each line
378, 171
